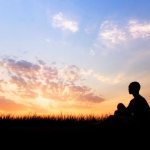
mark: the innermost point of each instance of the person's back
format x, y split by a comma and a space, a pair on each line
139, 108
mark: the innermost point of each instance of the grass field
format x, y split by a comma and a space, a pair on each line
66, 131
49, 120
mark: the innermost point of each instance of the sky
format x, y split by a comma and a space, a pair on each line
72, 56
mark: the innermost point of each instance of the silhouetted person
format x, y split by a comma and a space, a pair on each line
138, 107
137, 111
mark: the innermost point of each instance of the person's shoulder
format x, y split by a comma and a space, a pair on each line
142, 98
132, 101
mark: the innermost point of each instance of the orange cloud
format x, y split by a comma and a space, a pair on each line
33, 80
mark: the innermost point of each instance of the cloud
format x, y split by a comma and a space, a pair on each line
60, 22
139, 30
30, 81
110, 37
41, 62
71, 93
70, 73
114, 35
98, 76
2, 82
90, 98
21, 67
101, 77
86, 72
109, 32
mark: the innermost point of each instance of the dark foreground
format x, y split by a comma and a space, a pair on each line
73, 137
70, 132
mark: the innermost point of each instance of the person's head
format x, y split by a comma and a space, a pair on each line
134, 87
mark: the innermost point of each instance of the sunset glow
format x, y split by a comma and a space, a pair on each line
72, 57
